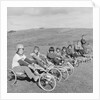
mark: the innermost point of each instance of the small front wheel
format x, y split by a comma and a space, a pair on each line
47, 82
56, 73
76, 64
65, 75
70, 70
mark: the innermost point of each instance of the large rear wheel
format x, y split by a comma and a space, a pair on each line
11, 76
47, 82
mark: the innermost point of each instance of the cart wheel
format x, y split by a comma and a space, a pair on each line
47, 82
11, 76
70, 70
56, 73
76, 64
65, 75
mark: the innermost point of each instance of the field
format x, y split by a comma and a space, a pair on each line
82, 79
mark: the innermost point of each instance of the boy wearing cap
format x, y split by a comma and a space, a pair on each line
22, 64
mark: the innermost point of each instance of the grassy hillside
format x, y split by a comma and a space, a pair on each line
80, 81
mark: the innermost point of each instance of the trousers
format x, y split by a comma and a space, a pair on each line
24, 69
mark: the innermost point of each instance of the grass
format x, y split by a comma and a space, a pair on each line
82, 79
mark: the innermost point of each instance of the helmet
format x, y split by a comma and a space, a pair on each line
19, 46
51, 49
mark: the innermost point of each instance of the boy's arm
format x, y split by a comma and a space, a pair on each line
43, 57
34, 56
23, 63
29, 61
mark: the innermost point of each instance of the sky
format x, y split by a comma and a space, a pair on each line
19, 18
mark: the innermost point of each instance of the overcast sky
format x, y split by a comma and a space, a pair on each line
19, 18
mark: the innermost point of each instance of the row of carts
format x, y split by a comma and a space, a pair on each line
48, 78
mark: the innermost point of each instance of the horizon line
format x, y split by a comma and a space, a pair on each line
51, 28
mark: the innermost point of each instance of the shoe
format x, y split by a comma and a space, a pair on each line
36, 78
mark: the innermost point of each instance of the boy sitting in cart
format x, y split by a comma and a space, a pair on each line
72, 55
79, 49
64, 53
58, 51
39, 59
53, 57
21, 64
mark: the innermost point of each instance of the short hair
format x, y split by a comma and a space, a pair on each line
70, 46
64, 48
36, 47
58, 49
18, 50
51, 49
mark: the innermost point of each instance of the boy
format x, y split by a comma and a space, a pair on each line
70, 52
39, 58
78, 48
21, 64
53, 57
58, 51
83, 41
64, 52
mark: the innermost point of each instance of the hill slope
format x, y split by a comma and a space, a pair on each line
82, 79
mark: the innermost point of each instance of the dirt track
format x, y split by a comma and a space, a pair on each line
82, 79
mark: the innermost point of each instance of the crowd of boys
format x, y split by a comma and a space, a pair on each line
21, 63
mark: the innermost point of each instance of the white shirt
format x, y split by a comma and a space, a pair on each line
15, 60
